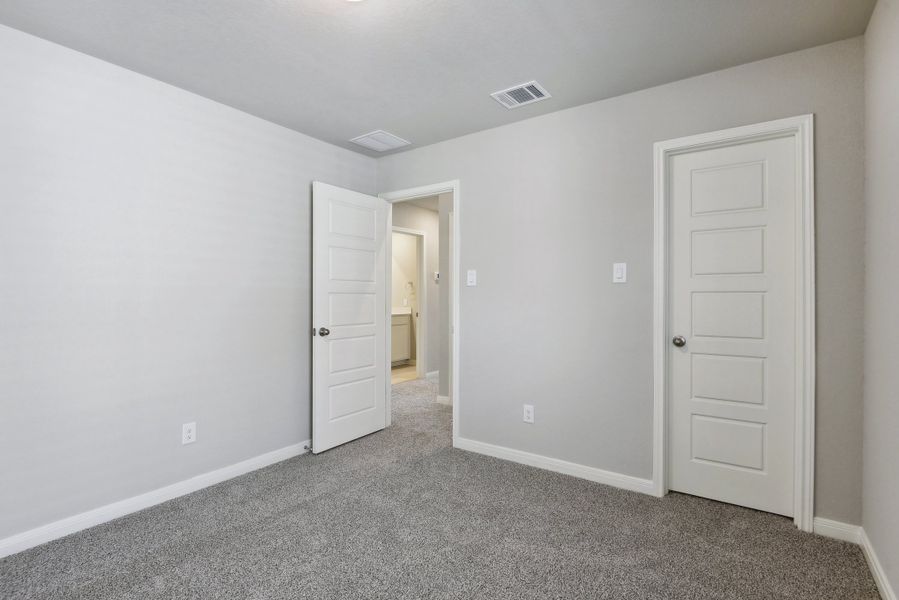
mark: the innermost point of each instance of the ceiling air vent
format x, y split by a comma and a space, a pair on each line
380, 141
519, 95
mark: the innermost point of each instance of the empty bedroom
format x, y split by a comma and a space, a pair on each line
449, 299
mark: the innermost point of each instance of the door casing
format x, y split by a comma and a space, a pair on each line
802, 129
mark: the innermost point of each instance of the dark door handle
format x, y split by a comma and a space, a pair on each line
323, 331
679, 341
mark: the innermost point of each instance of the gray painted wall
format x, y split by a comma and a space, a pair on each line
881, 475
550, 203
445, 208
414, 217
154, 270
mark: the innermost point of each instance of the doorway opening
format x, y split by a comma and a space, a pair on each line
352, 309
410, 310
423, 306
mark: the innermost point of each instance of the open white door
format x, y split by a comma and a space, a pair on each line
349, 315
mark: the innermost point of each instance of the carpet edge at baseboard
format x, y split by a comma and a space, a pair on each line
68, 525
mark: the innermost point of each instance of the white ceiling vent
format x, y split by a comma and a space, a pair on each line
519, 95
380, 141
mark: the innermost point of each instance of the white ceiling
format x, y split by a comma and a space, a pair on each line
429, 203
423, 69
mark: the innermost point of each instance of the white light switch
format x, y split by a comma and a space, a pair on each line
472, 278
619, 273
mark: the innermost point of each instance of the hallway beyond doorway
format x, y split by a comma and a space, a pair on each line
403, 373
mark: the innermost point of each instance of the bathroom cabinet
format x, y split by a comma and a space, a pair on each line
401, 338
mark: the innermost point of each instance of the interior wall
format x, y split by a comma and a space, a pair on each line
154, 270
405, 285
410, 216
881, 446
404, 272
445, 209
551, 202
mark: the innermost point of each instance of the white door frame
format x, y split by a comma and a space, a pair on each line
423, 192
801, 128
421, 251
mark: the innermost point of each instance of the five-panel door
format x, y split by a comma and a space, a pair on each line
733, 211
349, 315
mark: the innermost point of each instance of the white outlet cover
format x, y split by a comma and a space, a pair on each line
528, 415
189, 433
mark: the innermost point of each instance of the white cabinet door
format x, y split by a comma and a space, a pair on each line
733, 302
349, 313
401, 338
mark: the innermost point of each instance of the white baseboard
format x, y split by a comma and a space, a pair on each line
880, 576
837, 530
627, 482
856, 535
432, 374
444, 400
826, 527
63, 527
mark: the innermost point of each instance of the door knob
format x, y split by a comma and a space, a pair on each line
679, 341
323, 331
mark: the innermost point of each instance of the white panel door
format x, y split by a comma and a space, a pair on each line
733, 303
349, 315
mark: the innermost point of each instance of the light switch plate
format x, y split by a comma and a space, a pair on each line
619, 273
471, 278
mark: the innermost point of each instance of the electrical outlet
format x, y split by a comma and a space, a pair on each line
528, 413
188, 433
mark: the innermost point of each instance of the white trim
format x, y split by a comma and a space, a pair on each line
432, 374
423, 192
618, 480
880, 576
63, 527
444, 400
837, 530
421, 337
802, 129
856, 535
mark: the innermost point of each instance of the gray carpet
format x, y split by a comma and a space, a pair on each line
400, 514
